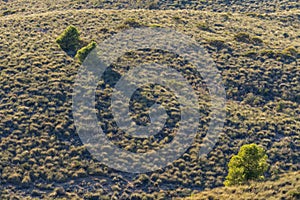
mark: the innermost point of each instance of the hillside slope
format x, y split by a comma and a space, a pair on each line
8, 7
42, 156
286, 187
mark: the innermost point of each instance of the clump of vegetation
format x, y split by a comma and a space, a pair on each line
269, 53
83, 52
15, 178
203, 26
40, 146
242, 37
285, 187
179, 19
295, 194
8, 12
219, 44
291, 51
249, 164
70, 41
251, 54
153, 6
132, 23
246, 38
288, 55
257, 40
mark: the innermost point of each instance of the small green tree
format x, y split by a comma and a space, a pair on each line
83, 52
249, 164
69, 40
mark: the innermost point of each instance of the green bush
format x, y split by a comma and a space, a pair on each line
249, 164
69, 40
84, 52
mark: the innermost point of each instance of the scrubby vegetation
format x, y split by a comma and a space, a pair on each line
253, 8
285, 187
42, 156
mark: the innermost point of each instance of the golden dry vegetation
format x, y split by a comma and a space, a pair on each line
42, 155
286, 187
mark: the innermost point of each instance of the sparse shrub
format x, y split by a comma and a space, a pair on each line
36, 193
136, 196
69, 40
15, 178
249, 164
251, 54
242, 37
257, 40
280, 106
59, 177
295, 194
96, 195
203, 26
132, 23
83, 52
153, 5
9, 12
143, 179
26, 181
290, 51
269, 53
58, 192
252, 99
219, 44
80, 173
246, 38
176, 18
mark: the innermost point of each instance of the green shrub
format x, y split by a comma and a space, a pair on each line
249, 164
83, 52
69, 40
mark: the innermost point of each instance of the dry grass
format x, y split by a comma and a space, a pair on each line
41, 152
284, 188
9, 7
